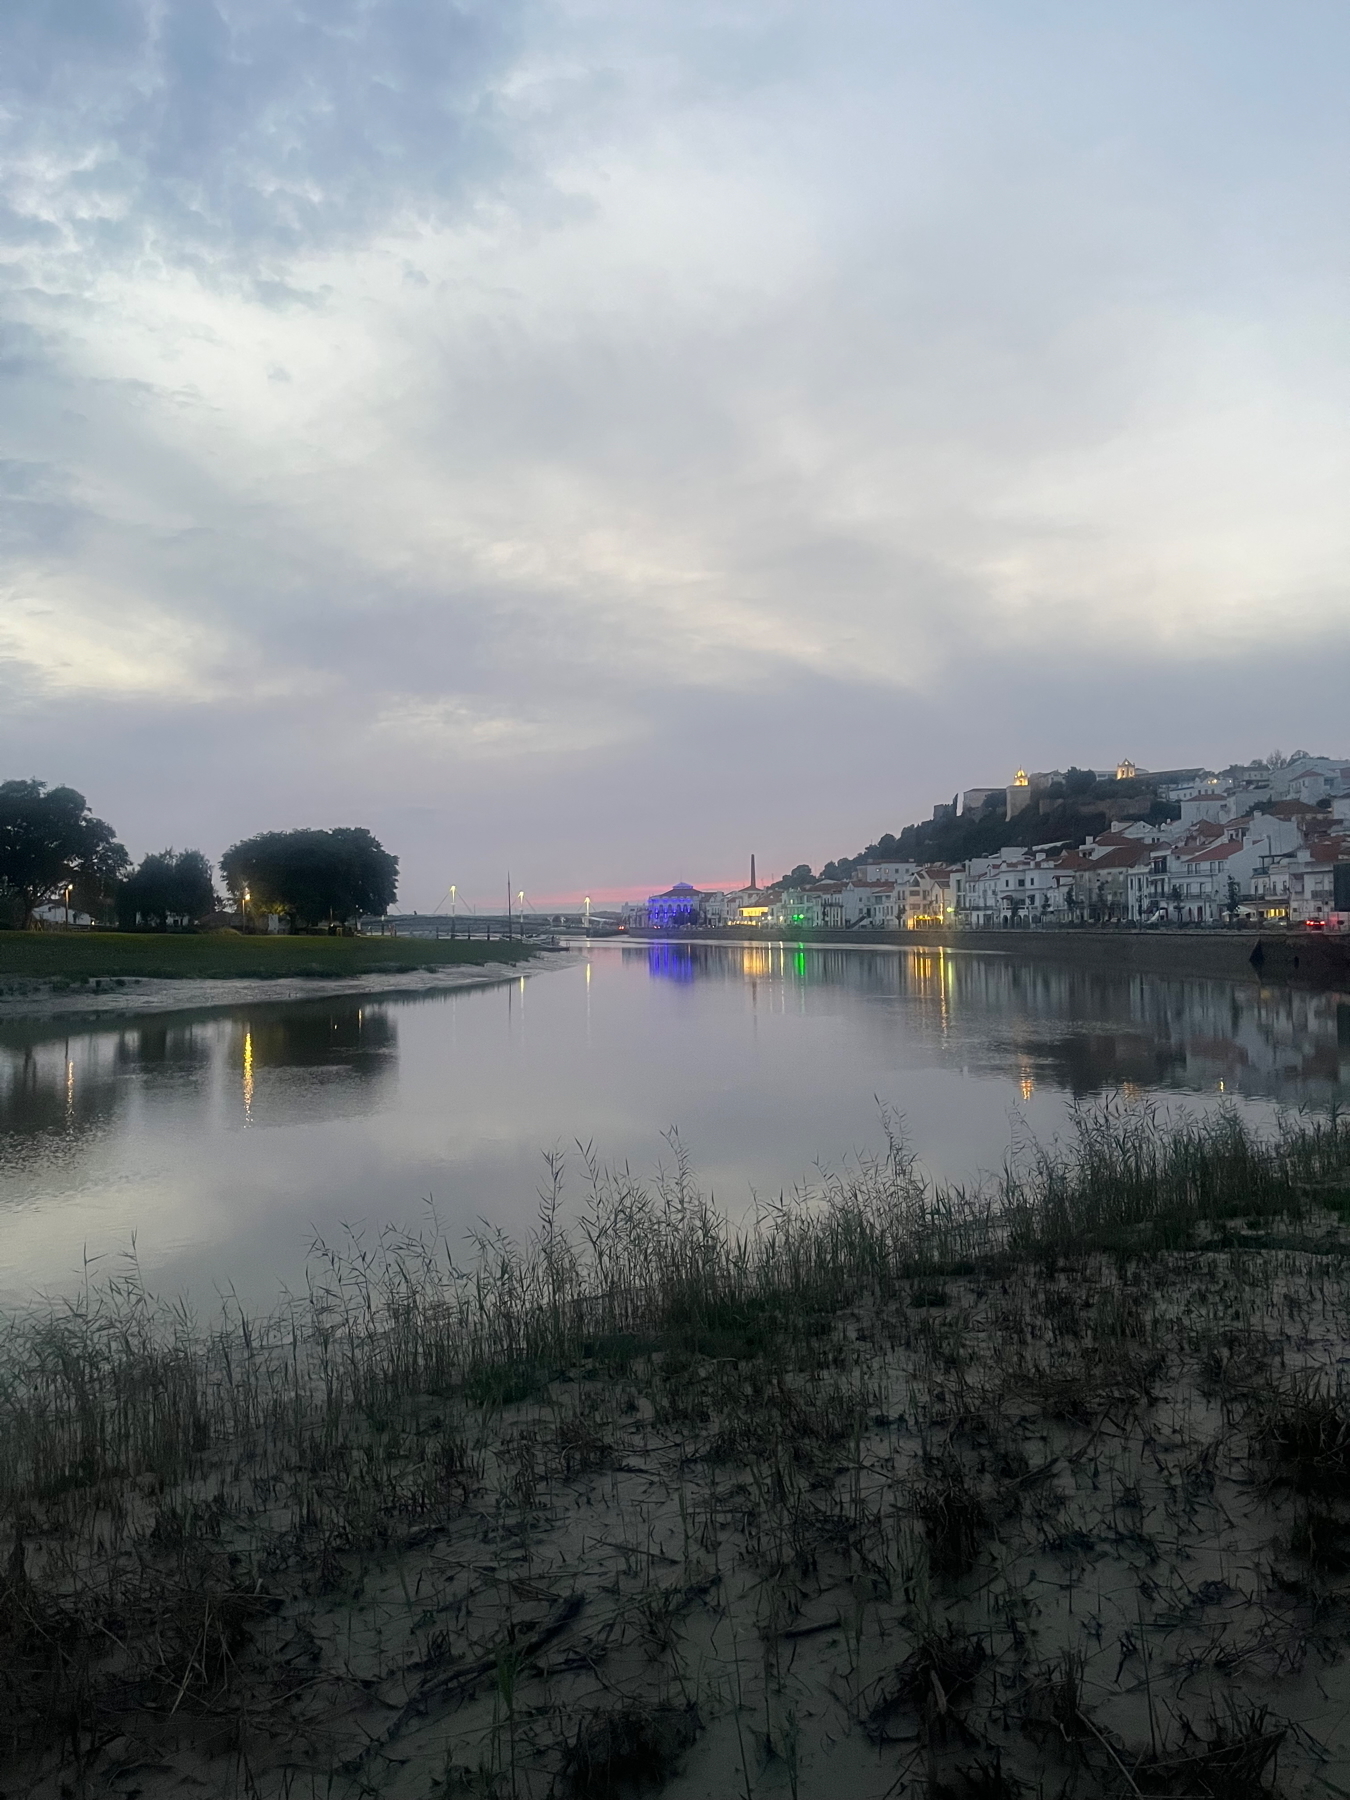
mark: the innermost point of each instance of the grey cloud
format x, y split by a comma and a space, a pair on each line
37, 512
514, 423
254, 126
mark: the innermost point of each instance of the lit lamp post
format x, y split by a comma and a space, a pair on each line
588, 912
452, 909
243, 910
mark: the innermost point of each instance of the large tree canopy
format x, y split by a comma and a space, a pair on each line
174, 884
313, 875
49, 840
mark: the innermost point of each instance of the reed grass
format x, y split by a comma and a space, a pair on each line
107, 1386
164, 1464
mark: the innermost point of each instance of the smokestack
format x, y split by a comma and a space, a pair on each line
753, 882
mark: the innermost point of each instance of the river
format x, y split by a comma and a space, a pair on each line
213, 1147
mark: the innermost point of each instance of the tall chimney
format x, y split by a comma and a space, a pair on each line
753, 882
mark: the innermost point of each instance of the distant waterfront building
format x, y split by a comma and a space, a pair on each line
679, 905
1125, 770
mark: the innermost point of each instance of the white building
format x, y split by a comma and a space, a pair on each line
1015, 887
1311, 778
823, 904
1312, 879
886, 871
1213, 809
877, 903
56, 912
1210, 883
934, 895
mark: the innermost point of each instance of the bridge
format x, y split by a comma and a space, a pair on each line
488, 925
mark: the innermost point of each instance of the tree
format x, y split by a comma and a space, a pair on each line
1234, 901
801, 876
174, 884
313, 876
1079, 781
49, 841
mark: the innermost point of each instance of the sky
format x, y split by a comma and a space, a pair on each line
596, 441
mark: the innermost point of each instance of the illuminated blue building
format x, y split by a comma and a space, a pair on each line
680, 905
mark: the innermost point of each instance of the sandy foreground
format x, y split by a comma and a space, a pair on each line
1074, 1530
142, 994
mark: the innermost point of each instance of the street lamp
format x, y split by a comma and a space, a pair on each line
243, 909
452, 909
588, 912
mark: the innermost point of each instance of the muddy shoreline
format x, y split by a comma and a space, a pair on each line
136, 996
897, 1499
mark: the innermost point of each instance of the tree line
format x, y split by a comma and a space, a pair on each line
54, 850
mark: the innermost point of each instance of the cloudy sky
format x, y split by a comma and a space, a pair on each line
600, 439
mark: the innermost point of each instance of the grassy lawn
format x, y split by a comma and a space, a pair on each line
80, 956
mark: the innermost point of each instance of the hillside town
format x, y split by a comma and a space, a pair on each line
1264, 843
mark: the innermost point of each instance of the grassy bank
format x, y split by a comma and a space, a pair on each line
112, 955
899, 1490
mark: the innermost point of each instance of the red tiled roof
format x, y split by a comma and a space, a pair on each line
1217, 852
1128, 858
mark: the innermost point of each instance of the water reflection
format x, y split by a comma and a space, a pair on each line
222, 1142
73, 1086
323, 1060
1078, 1030
315, 1060
671, 962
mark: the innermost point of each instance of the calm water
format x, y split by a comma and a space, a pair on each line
220, 1143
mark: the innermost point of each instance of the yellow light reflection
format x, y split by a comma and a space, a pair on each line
1028, 1087
248, 1076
